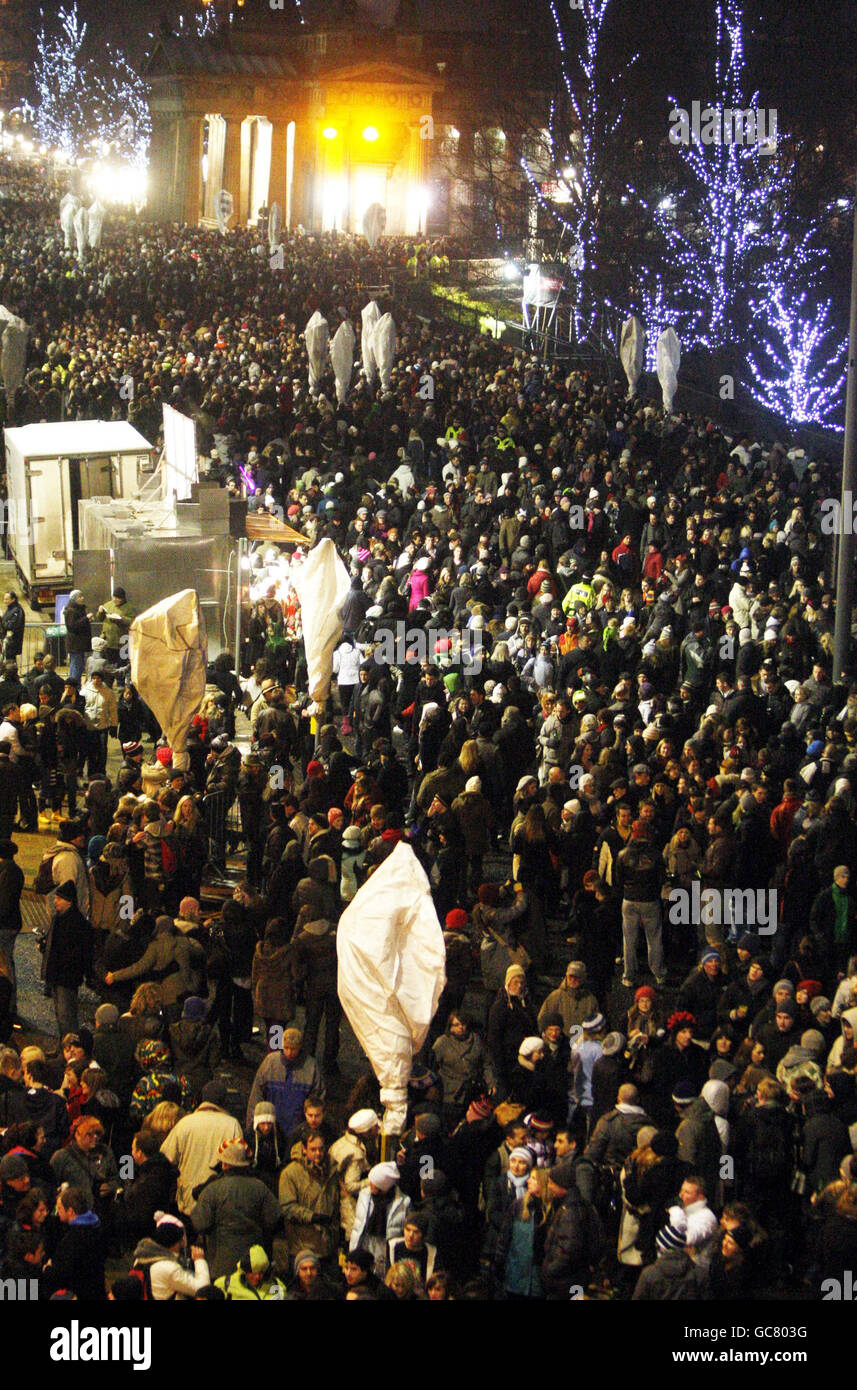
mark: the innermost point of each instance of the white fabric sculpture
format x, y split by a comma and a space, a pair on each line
321, 584
168, 659
94, 223
668, 359
369, 318
384, 342
391, 972
13, 350
316, 337
224, 207
631, 343
81, 229
68, 208
275, 222
342, 358
374, 223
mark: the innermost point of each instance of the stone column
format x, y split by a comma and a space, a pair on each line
232, 163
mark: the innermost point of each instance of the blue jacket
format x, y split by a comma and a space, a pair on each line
286, 1086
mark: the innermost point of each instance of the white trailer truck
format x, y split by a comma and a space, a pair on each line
49, 468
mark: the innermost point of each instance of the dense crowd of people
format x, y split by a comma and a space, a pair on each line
611, 738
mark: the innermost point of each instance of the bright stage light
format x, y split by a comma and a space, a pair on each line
511, 271
330, 132
370, 133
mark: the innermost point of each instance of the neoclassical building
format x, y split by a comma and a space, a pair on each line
323, 109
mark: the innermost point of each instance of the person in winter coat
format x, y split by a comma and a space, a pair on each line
195, 1046
833, 920
847, 1038
519, 1247
286, 1078
380, 1215
194, 1143
509, 1187
173, 960
476, 822
116, 617
678, 1059
354, 1154
674, 1275
574, 1239
573, 1000
11, 886
34, 1103
309, 1200
315, 967
272, 978
88, 1163
253, 1280
615, 1134
151, 1190
703, 1136
701, 991
159, 1262
511, 1019
68, 956
235, 1210
268, 1145
157, 1081
824, 1142
464, 1067
77, 1263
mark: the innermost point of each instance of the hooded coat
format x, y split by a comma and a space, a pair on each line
234, 1211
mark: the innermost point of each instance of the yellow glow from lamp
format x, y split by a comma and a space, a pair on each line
370, 133
330, 132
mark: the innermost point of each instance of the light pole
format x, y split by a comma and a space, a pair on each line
847, 540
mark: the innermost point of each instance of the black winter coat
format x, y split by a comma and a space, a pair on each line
573, 1245
68, 954
510, 1020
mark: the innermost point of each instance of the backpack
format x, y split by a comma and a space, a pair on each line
169, 863
44, 880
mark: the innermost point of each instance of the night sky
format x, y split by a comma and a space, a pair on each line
801, 58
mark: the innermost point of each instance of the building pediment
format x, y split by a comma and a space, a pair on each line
378, 73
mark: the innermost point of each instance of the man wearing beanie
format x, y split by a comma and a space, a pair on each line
78, 634
674, 1274
573, 1001
778, 1036
195, 1044
113, 1050
575, 1239
193, 1144
701, 991
67, 960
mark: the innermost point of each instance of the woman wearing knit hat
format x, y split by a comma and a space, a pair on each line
511, 1019
519, 1246
380, 1214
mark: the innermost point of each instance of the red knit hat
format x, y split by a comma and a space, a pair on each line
314, 769
391, 836
334, 816
644, 992
456, 919
812, 988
